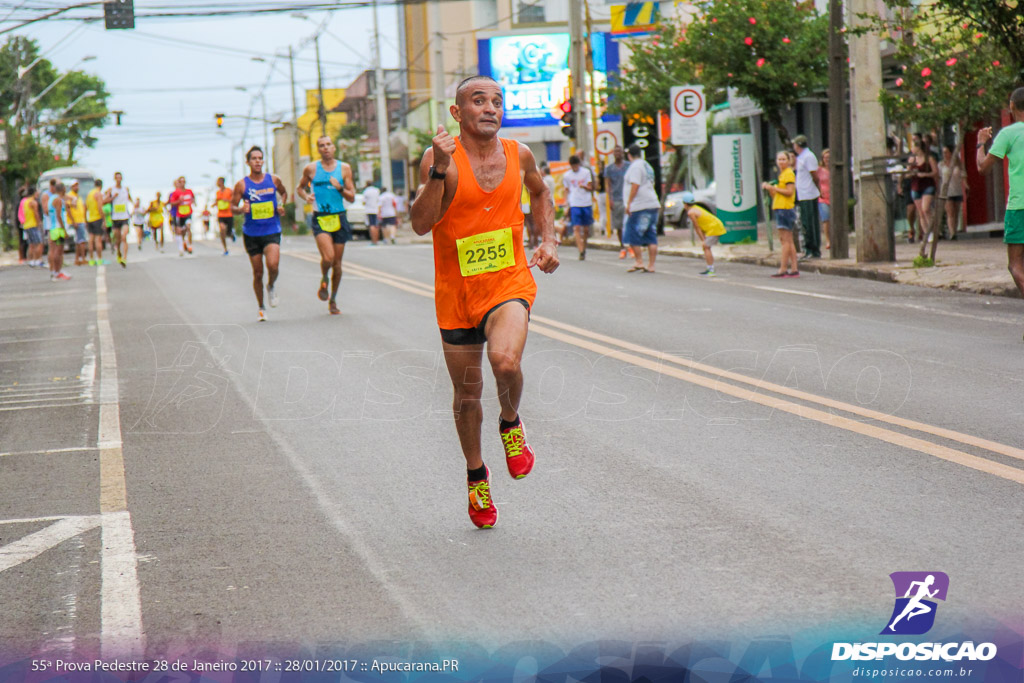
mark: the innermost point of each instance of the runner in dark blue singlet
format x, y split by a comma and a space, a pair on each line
255, 197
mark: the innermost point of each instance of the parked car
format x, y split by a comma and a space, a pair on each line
674, 205
356, 212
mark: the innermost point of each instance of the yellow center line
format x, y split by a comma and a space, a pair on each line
556, 330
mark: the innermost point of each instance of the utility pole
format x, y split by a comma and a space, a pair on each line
838, 124
266, 139
577, 70
594, 105
382, 107
296, 159
322, 109
437, 72
874, 240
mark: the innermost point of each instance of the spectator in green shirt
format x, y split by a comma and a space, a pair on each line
1009, 145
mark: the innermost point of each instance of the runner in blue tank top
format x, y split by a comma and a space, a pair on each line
255, 197
332, 183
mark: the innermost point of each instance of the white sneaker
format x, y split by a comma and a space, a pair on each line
262, 316
272, 295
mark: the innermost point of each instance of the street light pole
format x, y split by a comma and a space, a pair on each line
382, 107
87, 93
60, 78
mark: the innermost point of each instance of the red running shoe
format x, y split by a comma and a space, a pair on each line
518, 455
482, 511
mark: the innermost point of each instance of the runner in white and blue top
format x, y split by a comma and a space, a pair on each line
255, 197
332, 185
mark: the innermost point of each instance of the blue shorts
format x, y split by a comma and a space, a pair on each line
371, 220
81, 234
914, 194
339, 236
34, 235
581, 215
785, 219
824, 211
641, 228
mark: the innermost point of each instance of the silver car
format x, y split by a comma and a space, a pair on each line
674, 205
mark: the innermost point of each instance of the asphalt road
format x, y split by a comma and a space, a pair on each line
717, 457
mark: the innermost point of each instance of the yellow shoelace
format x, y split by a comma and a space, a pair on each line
480, 495
513, 440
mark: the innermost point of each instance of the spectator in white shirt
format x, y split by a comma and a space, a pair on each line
389, 214
641, 207
579, 183
807, 195
371, 200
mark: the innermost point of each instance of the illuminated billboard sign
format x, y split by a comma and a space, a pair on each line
533, 71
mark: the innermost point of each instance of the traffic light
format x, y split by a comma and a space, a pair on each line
220, 120
119, 14
568, 120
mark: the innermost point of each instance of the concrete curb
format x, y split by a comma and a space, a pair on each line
825, 268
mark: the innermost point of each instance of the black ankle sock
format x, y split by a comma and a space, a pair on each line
503, 424
478, 474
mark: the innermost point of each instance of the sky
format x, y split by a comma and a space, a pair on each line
170, 76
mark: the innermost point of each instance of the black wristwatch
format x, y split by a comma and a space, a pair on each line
436, 175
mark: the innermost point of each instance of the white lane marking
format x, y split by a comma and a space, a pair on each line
88, 371
32, 520
121, 635
50, 451
34, 545
48, 405
62, 640
52, 390
44, 356
39, 339
52, 383
815, 295
76, 396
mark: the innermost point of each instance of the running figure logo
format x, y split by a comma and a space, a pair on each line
914, 612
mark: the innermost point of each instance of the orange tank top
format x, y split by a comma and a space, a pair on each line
224, 203
479, 260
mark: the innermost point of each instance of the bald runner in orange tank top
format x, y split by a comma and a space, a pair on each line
470, 200
479, 260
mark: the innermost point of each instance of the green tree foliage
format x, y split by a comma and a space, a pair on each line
772, 51
656, 65
33, 146
951, 72
21, 52
1002, 21
87, 114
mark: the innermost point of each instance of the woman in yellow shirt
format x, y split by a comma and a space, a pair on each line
156, 221
783, 194
707, 226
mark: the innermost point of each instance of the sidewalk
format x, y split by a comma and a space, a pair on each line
976, 265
